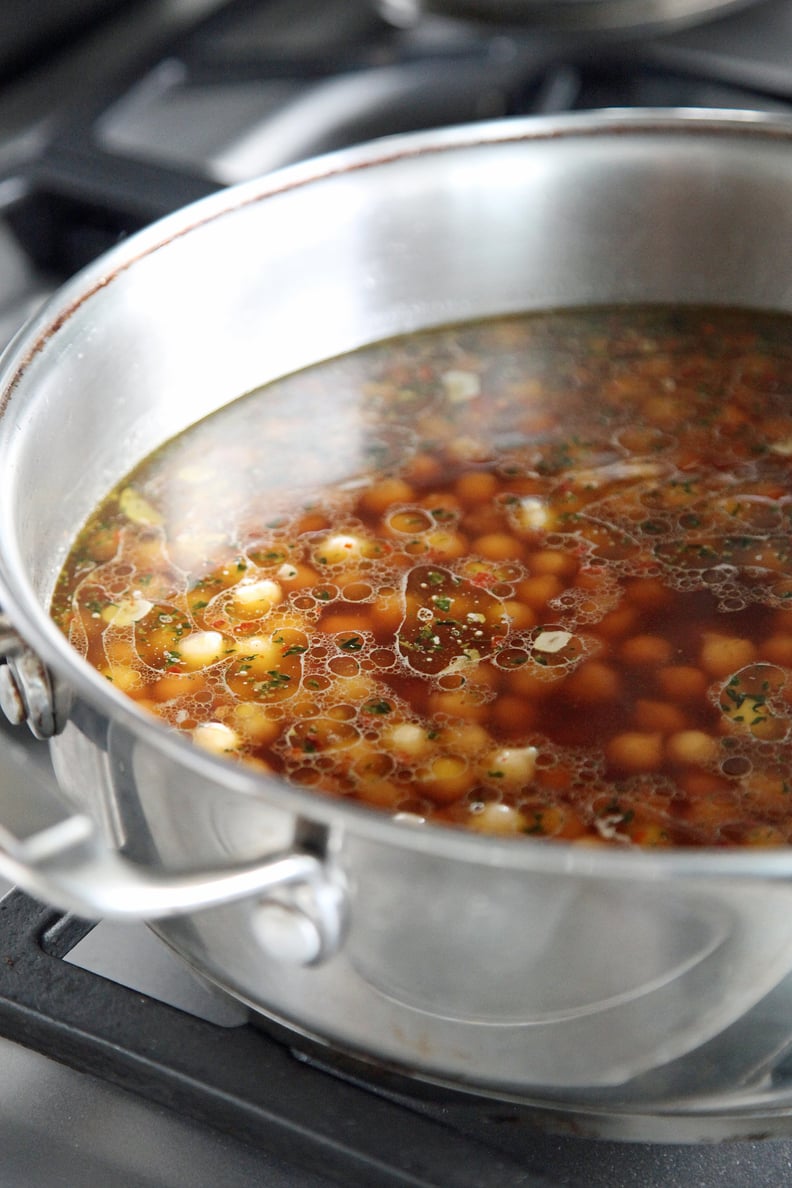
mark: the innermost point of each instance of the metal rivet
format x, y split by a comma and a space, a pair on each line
33, 683
11, 701
286, 932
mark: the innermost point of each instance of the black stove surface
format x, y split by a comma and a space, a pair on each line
265, 1107
146, 107
257, 84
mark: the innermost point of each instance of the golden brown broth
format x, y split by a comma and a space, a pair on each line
530, 576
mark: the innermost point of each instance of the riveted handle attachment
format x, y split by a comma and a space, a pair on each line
298, 902
28, 691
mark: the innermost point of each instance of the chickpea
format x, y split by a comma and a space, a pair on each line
483, 520
537, 591
465, 738
382, 793
692, 747
407, 741
380, 496
764, 835
665, 412
172, 685
127, 679
202, 648
558, 776
467, 449
714, 809
511, 767
650, 834
636, 750
423, 469
778, 650
648, 593
120, 651
311, 521
698, 782
569, 826
721, 655
442, 505
150, 706
296, 576
342, 548
646, 649
268, 654
770, 793
447, 779
253, 599
255, 724
499, 819
563, 565
216, 737
408, 522
353, 689
458, 703
498, 546
543, 820
658, 715
517, 615
514, 715
386, 614
344, 623
618, 623
593, 681
525, 683
682, 682
446, 545
477, 486
324, 734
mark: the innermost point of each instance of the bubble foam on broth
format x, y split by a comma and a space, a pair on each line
534, 580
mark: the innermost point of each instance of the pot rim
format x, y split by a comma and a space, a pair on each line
40, 633
604, 18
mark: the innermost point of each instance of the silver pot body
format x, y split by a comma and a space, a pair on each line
641, 991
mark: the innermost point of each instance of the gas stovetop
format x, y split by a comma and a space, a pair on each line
118, 1064
192, 1092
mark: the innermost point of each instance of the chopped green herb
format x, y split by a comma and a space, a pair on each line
377, 707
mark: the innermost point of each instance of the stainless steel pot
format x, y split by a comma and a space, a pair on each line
618, 986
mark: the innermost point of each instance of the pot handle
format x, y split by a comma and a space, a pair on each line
60, 858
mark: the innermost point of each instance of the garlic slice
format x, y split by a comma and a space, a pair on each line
551, 641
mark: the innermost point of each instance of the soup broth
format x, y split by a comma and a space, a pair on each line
530, 576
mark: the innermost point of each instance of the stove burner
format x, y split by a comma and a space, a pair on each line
251, 88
